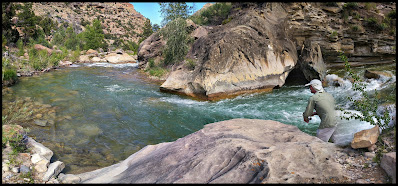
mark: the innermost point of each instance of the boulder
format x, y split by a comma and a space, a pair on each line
53, 170
92, 52
119, 58
311, 61
376, 74
250, 53
42, 165
39, 148
334, 80
388, 163
199, 32
41, 47
84, 58
365, 138
65, 63
150, 48
232, 151
98, 60
68, 178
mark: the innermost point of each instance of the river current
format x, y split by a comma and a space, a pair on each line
112, 111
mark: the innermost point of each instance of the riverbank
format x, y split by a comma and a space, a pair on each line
360, 168
358, 165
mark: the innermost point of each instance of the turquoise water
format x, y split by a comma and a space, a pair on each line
107, 112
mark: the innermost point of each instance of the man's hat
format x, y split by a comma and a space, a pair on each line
316, 84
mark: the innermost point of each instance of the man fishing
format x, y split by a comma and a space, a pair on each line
324, 104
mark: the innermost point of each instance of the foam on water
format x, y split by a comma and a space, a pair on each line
121, 65
115, 88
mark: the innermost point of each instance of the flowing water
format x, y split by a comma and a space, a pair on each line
107, 112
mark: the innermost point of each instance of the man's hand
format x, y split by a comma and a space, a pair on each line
306, 119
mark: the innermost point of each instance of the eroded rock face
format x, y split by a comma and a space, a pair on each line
253, 51
232, 151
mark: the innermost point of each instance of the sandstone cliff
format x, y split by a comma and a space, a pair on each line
119, 19
265, 42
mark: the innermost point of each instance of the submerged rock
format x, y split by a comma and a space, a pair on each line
232, 151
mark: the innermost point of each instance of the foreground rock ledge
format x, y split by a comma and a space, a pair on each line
232, 151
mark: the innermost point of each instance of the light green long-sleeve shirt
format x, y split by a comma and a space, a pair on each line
324, 104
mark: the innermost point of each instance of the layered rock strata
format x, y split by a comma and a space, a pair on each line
232, 151
251, 52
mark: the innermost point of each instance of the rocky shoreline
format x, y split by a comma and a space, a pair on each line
356, 165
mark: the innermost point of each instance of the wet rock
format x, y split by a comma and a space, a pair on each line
53, 170
375, 74
41, 122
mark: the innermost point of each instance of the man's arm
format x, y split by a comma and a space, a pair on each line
309, 110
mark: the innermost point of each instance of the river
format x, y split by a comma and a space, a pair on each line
106, 112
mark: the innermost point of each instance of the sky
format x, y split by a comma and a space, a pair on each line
151, 10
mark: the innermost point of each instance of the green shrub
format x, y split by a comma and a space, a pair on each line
212, 14
38, 59
392, 14
350, 6
10, 74
157, 71
355, 28
370, 6
20, 47
8, 71
190, 64
226, 21
151, 63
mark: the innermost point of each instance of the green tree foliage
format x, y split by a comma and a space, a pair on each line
28, 22
71, 39
175, 32
155, 27
8, 12
177, 38
147, 29
59, 37
172, 11
47, 24
215, 14
94, 36
367, 105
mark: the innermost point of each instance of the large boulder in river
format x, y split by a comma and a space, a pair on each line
119, 58
232, 151
251, 52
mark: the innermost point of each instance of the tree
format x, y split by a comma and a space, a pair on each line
172, 11
155, 27
174, 15
71, 40
8, 12
94, 36
366, 105
147, 29
28, 22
